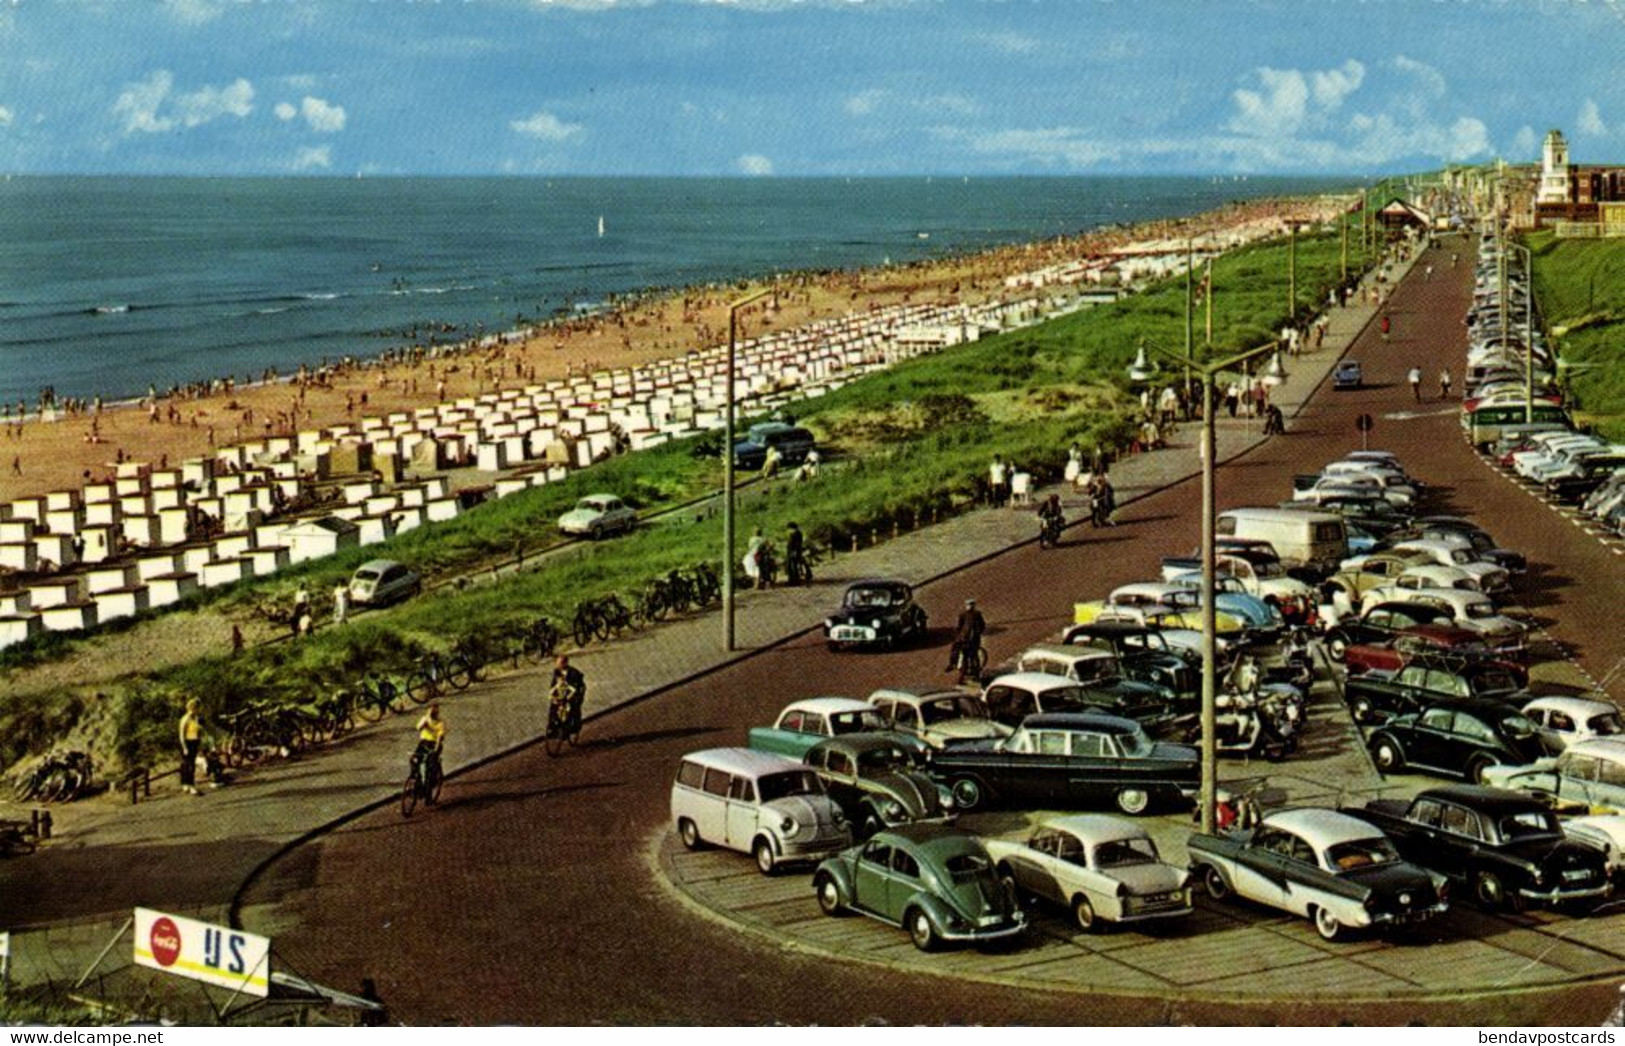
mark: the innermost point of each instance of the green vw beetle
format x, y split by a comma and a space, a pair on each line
933, 881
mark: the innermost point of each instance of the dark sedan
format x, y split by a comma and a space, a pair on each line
1069, 760
874, 781
1508, 848
875, 612
1457, 739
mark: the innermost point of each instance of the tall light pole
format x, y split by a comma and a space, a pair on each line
1528, 330
728, 472
1343, 228
1207, 300
1292, 271
1210, 687
1190, 316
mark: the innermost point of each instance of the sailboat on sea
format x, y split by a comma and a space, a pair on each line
600, 226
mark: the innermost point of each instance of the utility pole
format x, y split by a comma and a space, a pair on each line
728, 473
1190, 317
1292, 273
1343, 227
1207, 302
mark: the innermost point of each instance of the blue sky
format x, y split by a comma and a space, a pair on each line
802, 87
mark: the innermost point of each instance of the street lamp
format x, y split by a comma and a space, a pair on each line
728, 472
1210, 765
1528, 328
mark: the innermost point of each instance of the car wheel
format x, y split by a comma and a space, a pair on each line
689, 832
829, 894
1218, 887
1388, 756
763, 852
967, 793
1362, 710
1083, 913
1338, 647
1489, 891
1477, 768
1326, 925
1133, 801
920, 930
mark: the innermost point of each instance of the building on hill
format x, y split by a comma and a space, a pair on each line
1571, 194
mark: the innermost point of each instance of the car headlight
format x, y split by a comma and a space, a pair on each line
837, 817
789, 826
892, 811
829, 624
875, 623
945, 797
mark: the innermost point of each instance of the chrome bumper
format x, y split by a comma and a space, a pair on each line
1557, 895
1414, 916
980, 934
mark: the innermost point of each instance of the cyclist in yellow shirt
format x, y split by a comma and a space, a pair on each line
431, 741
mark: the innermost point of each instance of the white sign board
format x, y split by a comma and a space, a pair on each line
203, 952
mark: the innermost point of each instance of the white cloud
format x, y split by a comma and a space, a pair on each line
299, 82
546, 127
863, 103
1278, 109
1524, 143
193, 12
1009, 43
139, 105
284, 111
1383, 139
1590, 119
5, 116
754, 164
1333, 85
1431, 80
313, 158
322, 115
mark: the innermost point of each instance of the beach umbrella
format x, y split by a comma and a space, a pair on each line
1142, 369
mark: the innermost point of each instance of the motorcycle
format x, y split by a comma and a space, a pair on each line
1049, 531
1252, 724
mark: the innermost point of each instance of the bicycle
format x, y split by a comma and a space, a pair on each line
707, 584
377, 697
613, 616
434, 672
969, 659
585, 626
58, 778
651, 604
563, 719
471, 649
539, 640
798, 568
424, 778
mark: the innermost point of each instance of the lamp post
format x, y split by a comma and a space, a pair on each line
1343, 228
728, 472
1210, 764
1190, 315
1292, 272
1528, 329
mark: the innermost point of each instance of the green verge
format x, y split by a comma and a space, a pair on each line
1580, 286
915, 442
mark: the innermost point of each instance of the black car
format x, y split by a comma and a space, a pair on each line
1381, 623
875, 782
1144, 655
1508, 848
1069, 760
875, 612
792, 442
1431, 527
1457, 739
1379, 696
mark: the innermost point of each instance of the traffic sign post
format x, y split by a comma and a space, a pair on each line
1365, 423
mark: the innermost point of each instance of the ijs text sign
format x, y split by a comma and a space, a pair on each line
203, 951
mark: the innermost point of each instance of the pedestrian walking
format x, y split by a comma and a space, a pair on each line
1416, 383
1385, 325
236, 641
1444, 384
17, 465
341, 603
190, 733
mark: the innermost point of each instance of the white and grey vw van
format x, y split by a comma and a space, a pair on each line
766, 805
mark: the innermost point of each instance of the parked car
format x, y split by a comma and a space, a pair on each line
937, 716
1257, 574
1563, 721
804, 723
1456, 739
1335, 870
1470, 610
876, 783
1491, 578
792, 441
1144, 654
1380, 622
1103, 869
768, 806
937, 883
597, 516
1013, 697
1312, 539
378, 582
1379, 696
1439, 643
875, 612
1348, 375
1069, 760
1162, 599
1096, 669
1504, 846
1606, 832
1588, 776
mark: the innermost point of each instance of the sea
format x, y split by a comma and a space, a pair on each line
109, 285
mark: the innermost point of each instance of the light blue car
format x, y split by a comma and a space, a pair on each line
1263, 620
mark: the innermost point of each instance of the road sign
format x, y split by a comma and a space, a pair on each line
1365, 423
203, 952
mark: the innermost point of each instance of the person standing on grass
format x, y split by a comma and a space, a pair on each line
1444, 384
341, 603
1416, 383
190, 733
998, 477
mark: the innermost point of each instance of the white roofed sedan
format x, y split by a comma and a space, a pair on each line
598, 515
1338, 871
1563, 721
1104, 869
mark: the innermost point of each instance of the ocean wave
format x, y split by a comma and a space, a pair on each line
107, 310
325, 296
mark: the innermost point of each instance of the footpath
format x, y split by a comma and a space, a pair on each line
190, 854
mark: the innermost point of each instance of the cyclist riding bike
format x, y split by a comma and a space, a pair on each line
1051, 519
966, 652
568, 690
431, 742
795, 556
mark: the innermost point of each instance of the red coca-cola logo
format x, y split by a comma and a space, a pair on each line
165, 941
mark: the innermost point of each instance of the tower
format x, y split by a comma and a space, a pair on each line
1554, 170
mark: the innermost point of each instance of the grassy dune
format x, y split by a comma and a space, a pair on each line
1580, 285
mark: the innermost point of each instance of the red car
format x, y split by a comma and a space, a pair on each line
1437, 641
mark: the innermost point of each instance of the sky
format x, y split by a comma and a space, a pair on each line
803, 87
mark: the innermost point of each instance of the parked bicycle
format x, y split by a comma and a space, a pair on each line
59, 778
434, 673
539, 640
377, 696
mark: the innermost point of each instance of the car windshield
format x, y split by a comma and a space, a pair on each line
1518, 727
1269, 568
1494, 682
1461, 555
1120, 852
589, 505
1093, 670
855, 722
367, 575
1064, 699
882, 760
959, 706
1607, 724
789, 782
869, 597
1360, 853
1530, 822
1134, 744
1480, 611
965, 867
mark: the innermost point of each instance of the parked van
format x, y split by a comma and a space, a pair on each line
1588, 773
766, 805
1318, 540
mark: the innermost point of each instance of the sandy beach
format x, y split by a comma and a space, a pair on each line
38, 457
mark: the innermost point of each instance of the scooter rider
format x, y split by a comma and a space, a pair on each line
1051, 518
